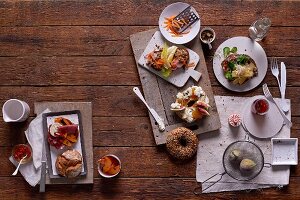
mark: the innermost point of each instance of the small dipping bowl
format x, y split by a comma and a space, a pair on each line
260, 106
21, 150
109, 166
207, 36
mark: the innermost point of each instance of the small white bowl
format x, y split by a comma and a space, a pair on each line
284, 151
107, 175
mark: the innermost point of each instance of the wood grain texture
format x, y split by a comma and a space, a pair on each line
91, 70
142, 188
125, 12
80, 51
115, 100
114, 40
108, 131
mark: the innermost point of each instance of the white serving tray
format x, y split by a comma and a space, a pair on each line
284, 151
52, 153
178, 77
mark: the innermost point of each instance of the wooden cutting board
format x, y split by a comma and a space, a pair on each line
86, 114
159, 94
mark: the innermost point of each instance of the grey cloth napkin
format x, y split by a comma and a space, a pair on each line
35, 137
212, 146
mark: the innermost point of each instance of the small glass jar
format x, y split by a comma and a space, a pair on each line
20, 151
260, 106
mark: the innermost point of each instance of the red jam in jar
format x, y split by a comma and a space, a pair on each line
20, 151
260, 106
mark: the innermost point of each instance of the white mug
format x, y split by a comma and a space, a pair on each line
15, 110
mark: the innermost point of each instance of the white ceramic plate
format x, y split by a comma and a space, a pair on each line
284, 151
244, 46
265, 126
179, 76
173, 10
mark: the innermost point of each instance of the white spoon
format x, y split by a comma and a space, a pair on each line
16, 171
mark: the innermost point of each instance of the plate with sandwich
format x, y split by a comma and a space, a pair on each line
173, 63
240, 64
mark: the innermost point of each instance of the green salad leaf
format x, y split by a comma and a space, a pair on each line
226, 51
233, 50
242, 59
228, 75
166, 72
231, 66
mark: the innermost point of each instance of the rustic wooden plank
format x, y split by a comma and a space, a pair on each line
114, 40
106, 100
107, 131
33, 70
150, 84
160, 95
33, 13
112, 70
141, 188
115, 100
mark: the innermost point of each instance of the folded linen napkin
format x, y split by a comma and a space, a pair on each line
213, 144
35, 137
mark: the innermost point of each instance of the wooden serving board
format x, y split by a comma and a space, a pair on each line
159, 94
86, 114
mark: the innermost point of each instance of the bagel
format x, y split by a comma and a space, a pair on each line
182, 143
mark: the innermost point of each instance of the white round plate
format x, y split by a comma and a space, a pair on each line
265, 126
173, 10
244, 46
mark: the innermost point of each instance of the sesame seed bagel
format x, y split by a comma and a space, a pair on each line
182, 143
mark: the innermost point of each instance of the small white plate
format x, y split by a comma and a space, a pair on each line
173, 10
262, 126
244, 46
284, 151
179, 76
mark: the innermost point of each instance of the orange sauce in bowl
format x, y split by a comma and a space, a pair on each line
21, 150
109, 165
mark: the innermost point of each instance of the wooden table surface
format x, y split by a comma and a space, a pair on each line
80, 51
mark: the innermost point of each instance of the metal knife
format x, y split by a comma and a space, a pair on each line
43, 170
157, 118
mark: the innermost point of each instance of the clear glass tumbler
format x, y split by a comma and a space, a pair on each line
258, 30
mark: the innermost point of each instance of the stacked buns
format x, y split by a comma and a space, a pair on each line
69, 163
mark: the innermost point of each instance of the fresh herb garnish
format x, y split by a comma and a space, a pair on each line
228, 75
231, 66
166, 72
242, 59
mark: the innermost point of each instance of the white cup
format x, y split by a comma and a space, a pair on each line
211, 39
15, 110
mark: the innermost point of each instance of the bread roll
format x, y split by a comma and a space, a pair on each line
69, 164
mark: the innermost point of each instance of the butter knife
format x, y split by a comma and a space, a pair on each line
284, 105
157, 118
43, 170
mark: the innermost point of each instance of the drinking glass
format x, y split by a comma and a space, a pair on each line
258, 30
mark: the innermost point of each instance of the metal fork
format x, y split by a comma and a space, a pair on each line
275, 71
270, 98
